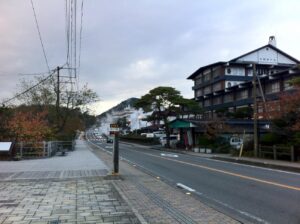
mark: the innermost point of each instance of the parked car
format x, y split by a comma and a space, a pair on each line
109, 140
236, 142
144, 134
173, 140
149, 135
158, 134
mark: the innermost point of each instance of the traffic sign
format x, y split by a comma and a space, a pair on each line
114, 128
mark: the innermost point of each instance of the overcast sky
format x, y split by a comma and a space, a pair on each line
132, 46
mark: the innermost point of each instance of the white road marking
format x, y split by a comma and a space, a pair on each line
180, 185
169, 155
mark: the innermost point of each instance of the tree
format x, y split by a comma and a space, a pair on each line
164, 102
190, 107
5, 114
285, 114
71, 104
29, 126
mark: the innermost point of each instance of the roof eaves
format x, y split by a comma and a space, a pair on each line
270, 46
205, 67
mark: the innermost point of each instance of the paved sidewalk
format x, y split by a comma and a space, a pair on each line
31, 195
88, 200
67, 189
78, 163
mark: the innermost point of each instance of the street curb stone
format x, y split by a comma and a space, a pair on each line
135, 211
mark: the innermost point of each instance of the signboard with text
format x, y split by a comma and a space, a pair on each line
114, 128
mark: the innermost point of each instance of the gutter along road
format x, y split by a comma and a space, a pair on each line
247, 193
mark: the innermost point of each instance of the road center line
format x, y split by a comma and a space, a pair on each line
228, 173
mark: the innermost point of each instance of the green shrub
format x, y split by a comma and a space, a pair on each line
218, 144
203, 141
270, 139
296, 139
139, 139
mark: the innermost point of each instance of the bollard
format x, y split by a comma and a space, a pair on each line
116, 154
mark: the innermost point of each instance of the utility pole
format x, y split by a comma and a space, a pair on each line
255, 137
58, 96
57, 90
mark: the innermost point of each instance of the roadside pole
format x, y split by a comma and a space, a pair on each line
116, 154
242, 146
114, 129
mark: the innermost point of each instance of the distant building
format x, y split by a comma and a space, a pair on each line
125, 113
228, 84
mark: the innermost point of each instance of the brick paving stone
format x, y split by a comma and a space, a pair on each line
88, 200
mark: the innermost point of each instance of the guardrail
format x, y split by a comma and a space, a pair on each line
276, 152
42, 149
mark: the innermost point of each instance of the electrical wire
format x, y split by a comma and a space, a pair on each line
27, 90
40, 36
67, 23
80, 42
75, 37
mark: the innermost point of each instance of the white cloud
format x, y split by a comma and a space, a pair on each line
129, 47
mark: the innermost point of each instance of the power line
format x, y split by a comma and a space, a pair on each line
75, 36
67, 18
40, 36
71, 34
27, 90
80, 41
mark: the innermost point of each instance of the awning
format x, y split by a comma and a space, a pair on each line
182, 124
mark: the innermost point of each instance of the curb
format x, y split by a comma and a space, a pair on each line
135, 211
112, 177
260, 164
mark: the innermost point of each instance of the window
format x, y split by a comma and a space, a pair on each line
287, 85
235, 71
228, 98
207, 90
199, 93
217, 72
198, 80
273, 87
242, 94
217, 86
250, 72
206, 77
207, 102
217, 100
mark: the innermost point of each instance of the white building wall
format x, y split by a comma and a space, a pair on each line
266, 55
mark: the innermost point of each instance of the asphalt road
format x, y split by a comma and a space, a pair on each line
250, 194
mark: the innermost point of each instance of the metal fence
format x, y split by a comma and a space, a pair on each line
42, 149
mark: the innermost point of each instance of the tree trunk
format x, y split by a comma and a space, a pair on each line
167, 130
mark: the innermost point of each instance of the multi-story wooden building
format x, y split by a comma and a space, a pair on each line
228, 85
